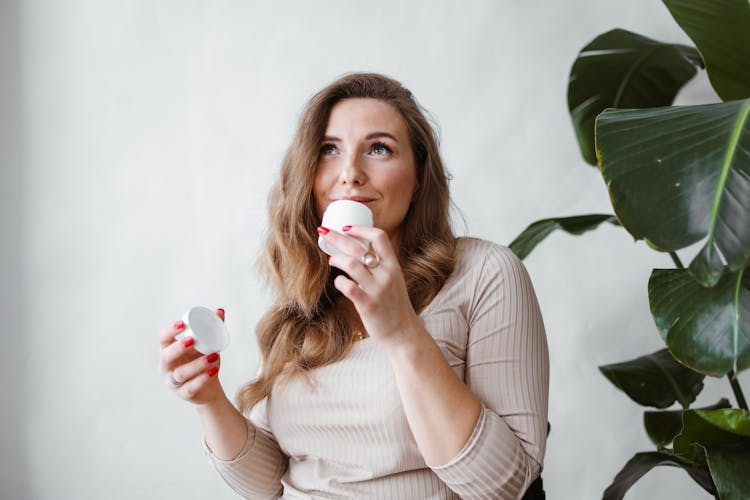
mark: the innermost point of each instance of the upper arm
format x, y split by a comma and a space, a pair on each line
507, 361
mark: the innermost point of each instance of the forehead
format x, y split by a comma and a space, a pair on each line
364, 115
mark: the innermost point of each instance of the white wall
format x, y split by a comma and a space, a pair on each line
139, 140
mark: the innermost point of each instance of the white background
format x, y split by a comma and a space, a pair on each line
139, 140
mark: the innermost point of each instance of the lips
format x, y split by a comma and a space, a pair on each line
360, 199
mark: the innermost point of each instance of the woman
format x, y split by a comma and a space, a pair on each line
416, 367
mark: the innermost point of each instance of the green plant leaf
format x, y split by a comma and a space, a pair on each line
729, 466
721, 31
643, 462
711, 429
655, 380
721, 439
539, 230
663, 426
707, 329
620, 69
679, 174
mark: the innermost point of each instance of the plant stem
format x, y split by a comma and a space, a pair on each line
737, 390
676, 260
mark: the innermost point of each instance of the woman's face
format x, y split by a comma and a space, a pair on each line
366, 156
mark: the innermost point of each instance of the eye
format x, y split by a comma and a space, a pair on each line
328, 149
380, 149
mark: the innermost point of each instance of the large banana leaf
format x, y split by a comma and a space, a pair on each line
729, 466
539, 230
713, 446
707, 329
643, 462
713, 428
720, 439
656, 380
721, 31
620, 69
663, 426
678, 174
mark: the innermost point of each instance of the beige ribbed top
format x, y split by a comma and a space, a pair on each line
347, 435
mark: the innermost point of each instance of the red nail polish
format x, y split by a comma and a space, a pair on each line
323, 230
211, 358
220, 310
212, 371
179, 325
346, 228
329, 258
188, 341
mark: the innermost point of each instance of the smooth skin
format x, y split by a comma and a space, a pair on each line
366, 155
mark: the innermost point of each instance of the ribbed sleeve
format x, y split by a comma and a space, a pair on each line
492, 464
507, 366
256, 471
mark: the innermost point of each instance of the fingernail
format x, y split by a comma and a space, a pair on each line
211, 358
323, 230
220, 310
212, 371
346, 228
329, 258
179, 325
188, 341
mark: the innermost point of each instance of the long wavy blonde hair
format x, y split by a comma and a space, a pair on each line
309, 325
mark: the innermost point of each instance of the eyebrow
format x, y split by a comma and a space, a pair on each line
372, 135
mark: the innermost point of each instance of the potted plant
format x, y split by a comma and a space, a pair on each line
677, 175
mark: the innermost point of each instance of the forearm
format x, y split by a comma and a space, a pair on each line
224, 427
441, 410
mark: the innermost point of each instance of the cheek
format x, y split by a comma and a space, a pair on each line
325, 174
321, 189
400, 190
403, 188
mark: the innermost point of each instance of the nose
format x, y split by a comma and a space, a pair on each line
351, 171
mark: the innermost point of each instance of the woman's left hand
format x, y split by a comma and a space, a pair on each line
377, 291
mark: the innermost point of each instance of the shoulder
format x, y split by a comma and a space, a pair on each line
487, 270
480, 267
474, 254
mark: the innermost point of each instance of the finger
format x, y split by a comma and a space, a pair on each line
194, 368
177, 353
220, 312
344, 243
351, 291
191, 387
378, 239
354, 267
168, 333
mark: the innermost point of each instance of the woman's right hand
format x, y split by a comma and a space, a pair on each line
195, 372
